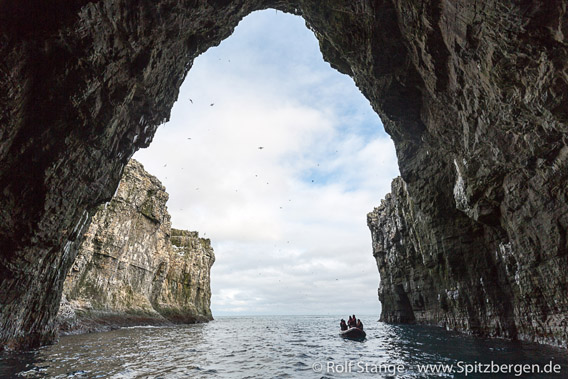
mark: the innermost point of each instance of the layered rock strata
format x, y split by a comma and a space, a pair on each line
435, 274
473, 94
188, 277
133, 268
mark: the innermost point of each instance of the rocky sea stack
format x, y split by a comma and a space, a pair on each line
133, 268
473, 93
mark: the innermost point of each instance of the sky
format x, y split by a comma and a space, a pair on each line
277, 158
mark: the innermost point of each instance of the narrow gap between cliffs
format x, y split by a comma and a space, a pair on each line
277, 158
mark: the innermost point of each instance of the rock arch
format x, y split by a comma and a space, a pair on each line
472, 93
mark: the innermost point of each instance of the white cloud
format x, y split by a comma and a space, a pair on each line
288, 221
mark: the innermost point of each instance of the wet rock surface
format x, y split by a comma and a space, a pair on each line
133, 268
472, 93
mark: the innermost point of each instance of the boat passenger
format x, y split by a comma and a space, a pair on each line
359, 324
351, 322
343, 325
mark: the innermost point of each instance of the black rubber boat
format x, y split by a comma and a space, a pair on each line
354, 334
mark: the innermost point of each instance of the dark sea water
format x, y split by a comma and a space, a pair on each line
276, 347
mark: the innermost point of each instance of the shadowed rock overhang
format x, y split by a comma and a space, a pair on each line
472, 93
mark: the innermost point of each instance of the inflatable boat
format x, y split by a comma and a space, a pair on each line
354, 334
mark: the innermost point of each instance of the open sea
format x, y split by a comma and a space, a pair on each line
283, 347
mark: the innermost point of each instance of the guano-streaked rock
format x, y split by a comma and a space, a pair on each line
133, 268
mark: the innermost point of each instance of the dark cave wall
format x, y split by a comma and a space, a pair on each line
472, 93
473, 237
85, 87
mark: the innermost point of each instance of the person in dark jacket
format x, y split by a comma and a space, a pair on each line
343, 325
359, 324
351, 322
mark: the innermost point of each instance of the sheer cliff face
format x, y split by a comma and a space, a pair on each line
472, 92
128, 272
470, 280
188, 277
473, 236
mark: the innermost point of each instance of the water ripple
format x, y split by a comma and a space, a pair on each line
260, 347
